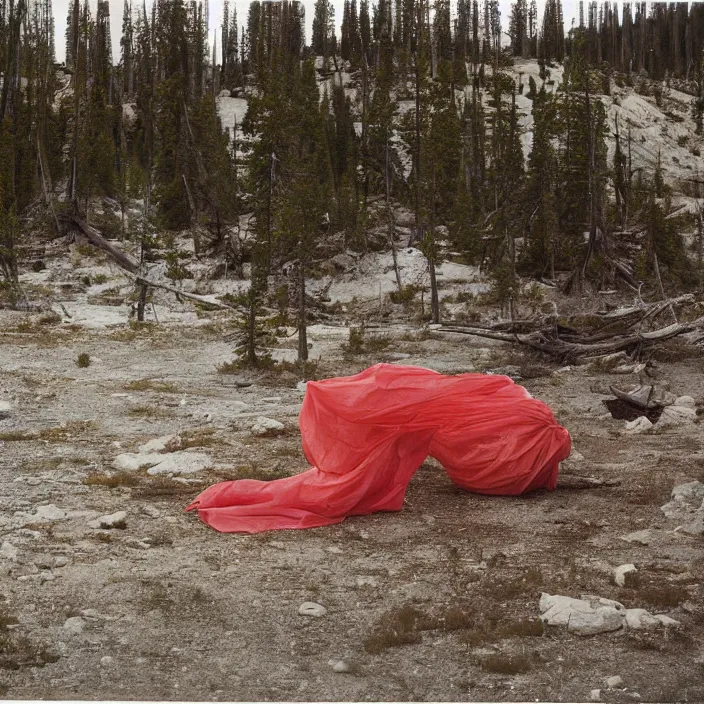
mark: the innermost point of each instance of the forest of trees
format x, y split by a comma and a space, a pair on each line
142, 128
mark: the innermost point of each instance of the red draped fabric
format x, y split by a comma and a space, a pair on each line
366, 435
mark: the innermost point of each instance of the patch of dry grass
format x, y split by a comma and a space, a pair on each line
510, 587
163, 387
396, 628
16, 650
66, 431
197, 437
18, 436
112, 480
153, 412
165, 488
506, 664
663, 595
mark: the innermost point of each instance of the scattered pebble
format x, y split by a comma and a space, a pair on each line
615, 682
366, 581
8, 551
643, 537
74, 625
625, 575
341, 667
310, 608
639, 425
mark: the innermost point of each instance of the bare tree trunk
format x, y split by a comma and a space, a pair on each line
141, 302
390, 218
302, 330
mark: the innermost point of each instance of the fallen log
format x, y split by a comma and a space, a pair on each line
96, 239
132, 267
546, 341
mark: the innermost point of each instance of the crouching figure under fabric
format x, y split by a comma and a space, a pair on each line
366, 435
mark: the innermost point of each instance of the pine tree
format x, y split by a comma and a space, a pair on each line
518, 28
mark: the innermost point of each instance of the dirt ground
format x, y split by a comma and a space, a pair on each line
436, 602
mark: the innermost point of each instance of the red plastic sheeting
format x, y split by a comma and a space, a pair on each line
366, 435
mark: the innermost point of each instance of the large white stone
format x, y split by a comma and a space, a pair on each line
5, 409
676, 415
50, 512
583, 617
181, 463
133, 462
267, 426
160, 444
686, 401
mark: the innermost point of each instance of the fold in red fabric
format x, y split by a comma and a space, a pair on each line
366, 435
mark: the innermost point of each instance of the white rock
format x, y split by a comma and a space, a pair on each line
181, 462
335, 550
5, 409
666, 620
160, 444
581, 616
625, 574
151, 511
640, 619
615, 682
113, 520
61, 561
302, 386
133, 462
686, 402
341, 666
8, 551
695, 527
266, 426
643, 537
107, 661
50, 512
576, 456
690, 492
46, 576
272, 399
74, 625
310, 608
685, 501
676, 415
639, 425
602, 620
595, 695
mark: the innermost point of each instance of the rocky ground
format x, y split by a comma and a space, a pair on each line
110, 591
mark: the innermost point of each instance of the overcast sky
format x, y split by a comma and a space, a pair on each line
570, 10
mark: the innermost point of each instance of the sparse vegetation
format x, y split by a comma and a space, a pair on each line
163, 387
83, 360
506, 664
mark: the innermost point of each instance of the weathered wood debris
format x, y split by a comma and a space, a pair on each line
632, 330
